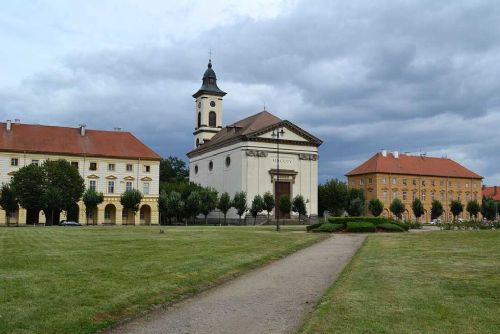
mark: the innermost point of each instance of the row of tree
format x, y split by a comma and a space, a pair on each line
335, 197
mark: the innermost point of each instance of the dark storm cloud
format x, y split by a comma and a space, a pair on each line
418, 76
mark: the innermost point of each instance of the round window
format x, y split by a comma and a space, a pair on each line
196, 169
228, 161
210, 165
212, 104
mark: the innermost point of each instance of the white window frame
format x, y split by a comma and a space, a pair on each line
129, 185
93, 185
146, 188
111, 187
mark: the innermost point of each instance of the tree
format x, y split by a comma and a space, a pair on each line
473, 208
456, 208
489, 208
397, 208
131, 199
299, 205
436, 209
92, 199
173, 169
192, 205
29, 185
53, 201
208, 201
174, 205
418, 208
257, 207
224, 204
376, 207
269, 203
240, 203
285, 205
162, 206
356, 203
335, 196
8, 201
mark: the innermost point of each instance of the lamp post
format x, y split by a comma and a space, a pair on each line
277, 133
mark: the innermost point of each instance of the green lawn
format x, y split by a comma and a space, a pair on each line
435, 282
81, 279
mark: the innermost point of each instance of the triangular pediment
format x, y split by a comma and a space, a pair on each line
291, 133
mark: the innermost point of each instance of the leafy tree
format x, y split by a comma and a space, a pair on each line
269, 203
29, 185
456, 208
285, 205
53, 200
240, 203
192, 205
174, 205
397, 208
208, 201
299, 205
356, 204
257, 207
92, 199
8, 200
418, 208
224, 204
436, 209
131, 199
489, 208
376, 207
335, 196
173, 169
473, 208
162, 206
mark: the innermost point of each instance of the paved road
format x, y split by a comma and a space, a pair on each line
272, 299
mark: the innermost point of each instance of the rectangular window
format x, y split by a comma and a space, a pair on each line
404, 195
92, 185
414, 195
130, 168
394, 181
93, 166
404, 182
433, 196
449, 183
111, 167
467, 185
74, 164
370, 180
111, 187
384, 194
14, 162
423, 195
147, 168
34, 162
361, 181
145, 188
394, 194
128, 186
384, 180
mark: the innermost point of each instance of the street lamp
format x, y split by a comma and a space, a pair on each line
277, 133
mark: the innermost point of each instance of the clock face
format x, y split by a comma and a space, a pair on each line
212, 104
199, 104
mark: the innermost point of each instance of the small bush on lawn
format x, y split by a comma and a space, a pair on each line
345, 220
415, 225
329, 227
360, 227
309, 228
404, 226
388, 227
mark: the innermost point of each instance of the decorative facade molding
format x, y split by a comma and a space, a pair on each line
146, 178
111, 177
256, 153
305, 156
92, 176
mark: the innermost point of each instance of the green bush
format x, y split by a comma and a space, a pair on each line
373, 220
329, 227
313, 226
404, 226
360, 227
415, 225
388, 227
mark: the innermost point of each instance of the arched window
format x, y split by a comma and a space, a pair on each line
199, 119
212, 119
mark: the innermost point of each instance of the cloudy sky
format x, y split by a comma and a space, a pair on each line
414, 76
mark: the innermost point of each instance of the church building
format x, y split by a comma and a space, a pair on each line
257, 154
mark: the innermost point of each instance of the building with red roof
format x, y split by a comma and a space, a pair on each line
492, 192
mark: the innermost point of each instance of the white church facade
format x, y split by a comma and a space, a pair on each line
257, 154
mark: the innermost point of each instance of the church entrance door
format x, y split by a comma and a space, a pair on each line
281, 189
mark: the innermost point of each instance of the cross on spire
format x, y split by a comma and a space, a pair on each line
210, 55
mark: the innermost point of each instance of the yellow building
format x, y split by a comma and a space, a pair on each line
387, 176
109, 162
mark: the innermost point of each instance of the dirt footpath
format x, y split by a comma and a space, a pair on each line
272, 299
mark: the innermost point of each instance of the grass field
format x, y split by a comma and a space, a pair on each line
79, 280
437, 282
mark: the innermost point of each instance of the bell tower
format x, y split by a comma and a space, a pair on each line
208, 108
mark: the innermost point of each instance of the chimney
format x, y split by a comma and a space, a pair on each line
8, 125
396, 154
384, 153
117, 129
17, 121
82, 129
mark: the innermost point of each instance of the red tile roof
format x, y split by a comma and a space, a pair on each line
68, 141
413, 165
493, 192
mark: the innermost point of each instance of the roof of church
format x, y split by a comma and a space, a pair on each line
209, 83
413, 165
32, 138
247, 129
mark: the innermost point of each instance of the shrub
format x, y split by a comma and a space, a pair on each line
415, 225
360, 227
388, 227
313, 226
404, 226
329, 227
373, 220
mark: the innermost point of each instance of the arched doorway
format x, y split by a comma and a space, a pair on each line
145, 214
128, 216
406, 215
386, 213
110, 214
92, 216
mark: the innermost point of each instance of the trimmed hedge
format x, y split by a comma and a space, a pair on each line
404, 226
388, 227
373, 220
329, 227
313, 226
361, 227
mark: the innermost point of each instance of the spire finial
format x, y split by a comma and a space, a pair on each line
210, 58
264, 106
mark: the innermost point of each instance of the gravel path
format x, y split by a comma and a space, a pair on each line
272, 299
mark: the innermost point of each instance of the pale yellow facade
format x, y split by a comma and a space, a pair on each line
111, 176
407, 187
